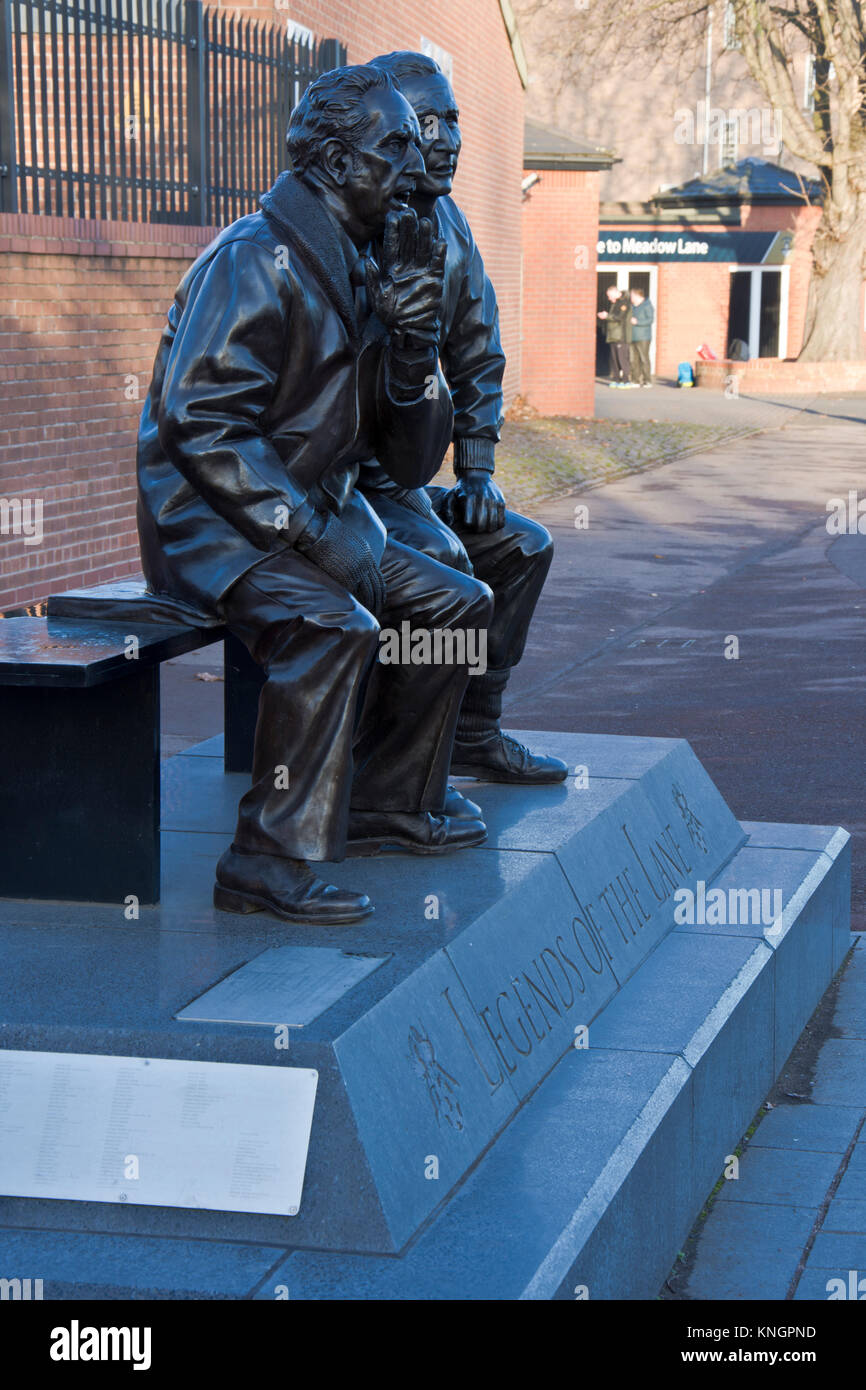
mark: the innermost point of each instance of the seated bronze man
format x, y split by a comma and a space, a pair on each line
289, 357
468, 525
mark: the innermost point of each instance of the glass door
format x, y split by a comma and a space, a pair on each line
758, 310
739, 310
769, 327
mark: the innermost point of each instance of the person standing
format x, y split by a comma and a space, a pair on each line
642, 316
615, 335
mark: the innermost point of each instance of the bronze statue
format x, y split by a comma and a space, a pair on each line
468, 526
292, 355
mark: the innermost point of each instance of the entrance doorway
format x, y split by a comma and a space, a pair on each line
624, 277
758, 310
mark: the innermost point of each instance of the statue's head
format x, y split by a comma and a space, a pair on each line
427, 89
353, 132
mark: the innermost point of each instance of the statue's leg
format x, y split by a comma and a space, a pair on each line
406, 731
424, 532
315, 643
514, 561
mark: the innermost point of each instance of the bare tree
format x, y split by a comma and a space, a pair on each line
772, 36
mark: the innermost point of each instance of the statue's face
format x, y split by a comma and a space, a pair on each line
431, 96
387, 162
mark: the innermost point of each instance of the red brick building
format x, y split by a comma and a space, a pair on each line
560, 234
724, 257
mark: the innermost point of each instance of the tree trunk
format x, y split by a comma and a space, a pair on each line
834, 323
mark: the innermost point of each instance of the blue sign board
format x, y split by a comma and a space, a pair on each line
655, 244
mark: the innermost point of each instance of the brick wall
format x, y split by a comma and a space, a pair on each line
692, 309
83, 306
560, 233
774, 377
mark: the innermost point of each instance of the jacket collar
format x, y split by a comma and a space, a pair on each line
316, 237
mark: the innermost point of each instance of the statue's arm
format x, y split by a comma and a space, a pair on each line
414, 414
474, 364
219, 380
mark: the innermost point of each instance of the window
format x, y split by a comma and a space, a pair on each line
731, 40
810, 81
439, 55
729, 142
809, 84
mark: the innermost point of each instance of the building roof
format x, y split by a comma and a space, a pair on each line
513, 33
748, 181
544, 147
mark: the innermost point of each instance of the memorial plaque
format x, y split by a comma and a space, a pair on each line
217, 1135
286, 985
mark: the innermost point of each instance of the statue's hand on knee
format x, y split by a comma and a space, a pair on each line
476, 502
346, 557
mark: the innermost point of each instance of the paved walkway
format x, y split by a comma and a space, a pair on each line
668, 402
793, 1223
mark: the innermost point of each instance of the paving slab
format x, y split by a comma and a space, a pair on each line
853, 1184
814, 1128
840, 1073
849, 1017
781, 1176
838, 1250
847, 1214
749, 1251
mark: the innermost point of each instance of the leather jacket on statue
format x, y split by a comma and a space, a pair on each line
267, 394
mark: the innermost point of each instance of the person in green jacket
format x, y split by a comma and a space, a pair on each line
615, 319
641, 321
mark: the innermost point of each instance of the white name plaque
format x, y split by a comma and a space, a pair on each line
220, 1135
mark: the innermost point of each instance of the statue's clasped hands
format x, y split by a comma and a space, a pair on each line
405, 289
